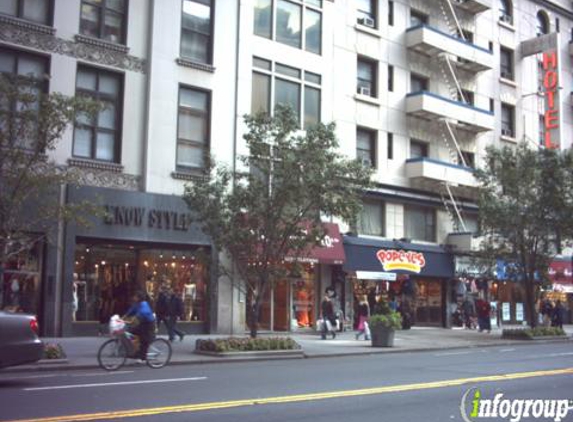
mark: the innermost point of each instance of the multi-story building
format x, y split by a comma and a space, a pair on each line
417, 89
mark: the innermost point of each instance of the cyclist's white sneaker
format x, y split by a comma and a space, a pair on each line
140, 361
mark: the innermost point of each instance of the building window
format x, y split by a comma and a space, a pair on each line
542, 23
35, 70
367, 13
104, 19
417, 18
467, 97
420, 223
366, 147
31, 10
469, 159
196, 28
506, 63
507, 120
491, 105
193, 128
97, 137
281, 84
366, 77
371, 219
390, 146
418, 83
391, 13
505, 11
390, 78
418, 149
297, 23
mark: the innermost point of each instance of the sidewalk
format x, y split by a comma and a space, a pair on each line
81, 351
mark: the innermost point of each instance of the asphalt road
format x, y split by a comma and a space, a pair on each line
397, 387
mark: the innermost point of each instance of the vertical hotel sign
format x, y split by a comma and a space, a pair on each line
551, 91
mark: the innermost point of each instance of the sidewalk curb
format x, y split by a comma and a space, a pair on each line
225, 360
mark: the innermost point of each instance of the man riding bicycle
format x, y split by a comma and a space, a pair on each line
145, 324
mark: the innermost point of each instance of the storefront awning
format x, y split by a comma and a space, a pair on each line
331, 250
397, 257
561, 271
563, 288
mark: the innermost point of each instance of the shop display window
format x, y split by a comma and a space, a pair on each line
21, 279
106, 276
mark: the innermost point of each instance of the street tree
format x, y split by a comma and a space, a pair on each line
269, 211
525, 208
31, 124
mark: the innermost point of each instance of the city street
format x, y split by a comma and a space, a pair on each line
425, 386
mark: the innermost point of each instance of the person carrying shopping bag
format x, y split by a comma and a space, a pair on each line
363, 316
328, 317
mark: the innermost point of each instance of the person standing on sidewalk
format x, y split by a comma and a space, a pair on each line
558, 315
484, 315
363, 312
328, 317
172, 311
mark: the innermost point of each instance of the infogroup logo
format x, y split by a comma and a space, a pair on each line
475, 407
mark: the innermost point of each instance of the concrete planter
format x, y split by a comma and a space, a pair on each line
382, 336
255, 354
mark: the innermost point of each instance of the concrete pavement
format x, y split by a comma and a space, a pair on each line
81, 351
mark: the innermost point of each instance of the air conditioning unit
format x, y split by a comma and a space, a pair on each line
506, 75
506, 19
366, 21
363, 90
506, 132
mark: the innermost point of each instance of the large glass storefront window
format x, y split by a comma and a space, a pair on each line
106, 276
21, 280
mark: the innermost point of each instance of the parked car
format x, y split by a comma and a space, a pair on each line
19, 341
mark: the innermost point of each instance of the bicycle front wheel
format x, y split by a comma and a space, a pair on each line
112, 355
159, 353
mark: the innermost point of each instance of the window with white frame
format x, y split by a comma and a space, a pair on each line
366, 146
193, 128
196, 37
371, 218
297, 23
276, 83
420, 223
38, 11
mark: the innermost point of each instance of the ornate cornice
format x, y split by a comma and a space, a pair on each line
188, 177
96, 165
100, 52
101, 177
102, 44
194, 65
24, 24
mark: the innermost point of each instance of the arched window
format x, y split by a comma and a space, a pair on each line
505, 11
542, 23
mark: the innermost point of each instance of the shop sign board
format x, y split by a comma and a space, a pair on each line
519, 312
552, 103
376, 275
505, 311
393, 259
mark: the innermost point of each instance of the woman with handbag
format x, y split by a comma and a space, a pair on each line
363, 313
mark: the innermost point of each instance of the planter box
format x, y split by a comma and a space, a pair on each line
254, 354
382, 336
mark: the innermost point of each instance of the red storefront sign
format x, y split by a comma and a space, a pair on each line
330, 251
551, 85
393, 259
561, 272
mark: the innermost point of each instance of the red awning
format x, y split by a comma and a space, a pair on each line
330, 252
561, 271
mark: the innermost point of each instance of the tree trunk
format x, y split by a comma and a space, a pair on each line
530, 301
254, 317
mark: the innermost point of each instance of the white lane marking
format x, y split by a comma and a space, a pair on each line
111, 384
560, 354
454, 353
99, 374
506, 350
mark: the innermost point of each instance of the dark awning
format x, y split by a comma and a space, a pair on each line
398, 257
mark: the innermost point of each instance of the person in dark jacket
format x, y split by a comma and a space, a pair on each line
558, 315
144, 327
169, 310
328, 317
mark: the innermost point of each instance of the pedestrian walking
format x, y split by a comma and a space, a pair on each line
547, 312
558, 315
469, 312
484, 315
169, 310
363, 313
328, 317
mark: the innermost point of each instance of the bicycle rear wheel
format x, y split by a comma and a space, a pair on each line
112, 355
159, 353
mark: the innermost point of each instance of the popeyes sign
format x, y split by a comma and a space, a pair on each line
392, 260
551, 86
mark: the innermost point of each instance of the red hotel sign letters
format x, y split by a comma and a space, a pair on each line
551, 85
392, 259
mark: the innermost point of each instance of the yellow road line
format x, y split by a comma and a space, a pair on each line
295, 398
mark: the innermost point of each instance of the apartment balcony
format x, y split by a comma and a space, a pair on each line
440, 171
432, 42
431, 106
466, 243
473, 6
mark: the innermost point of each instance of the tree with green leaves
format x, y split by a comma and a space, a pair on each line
31, 124
270, 211
525, 208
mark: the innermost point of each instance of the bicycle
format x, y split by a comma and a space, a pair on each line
123, 345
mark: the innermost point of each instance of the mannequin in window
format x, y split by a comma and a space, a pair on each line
75, 299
